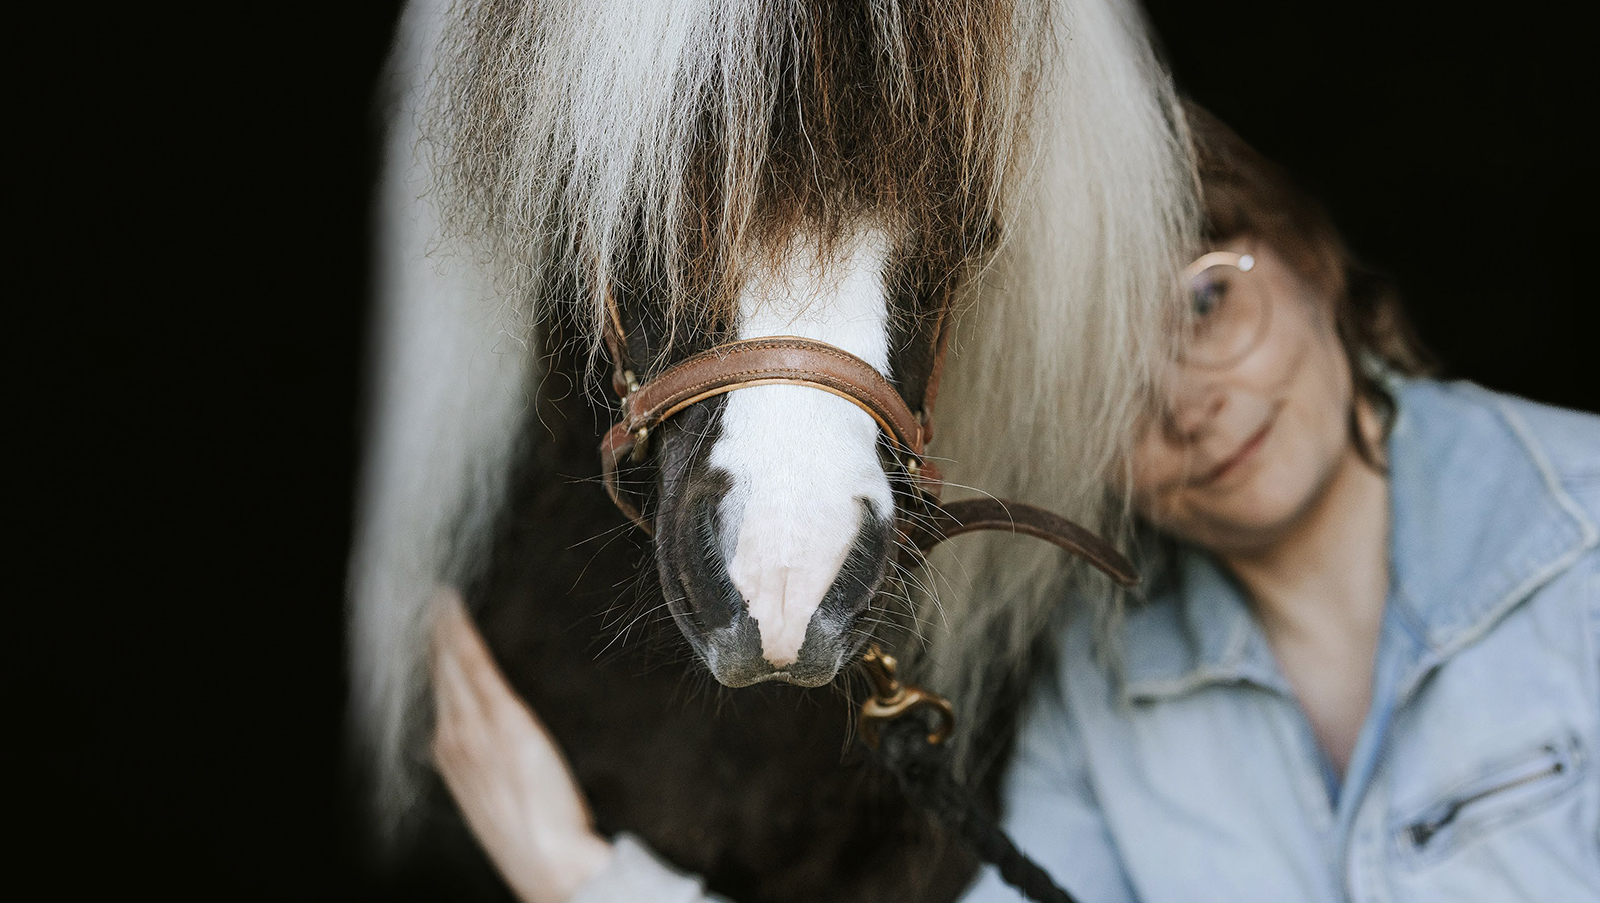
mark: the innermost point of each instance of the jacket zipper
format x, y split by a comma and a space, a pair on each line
1423, 831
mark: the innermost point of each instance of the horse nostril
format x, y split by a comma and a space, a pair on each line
706, 530
719, 530
716, 603
712, 538
864, 568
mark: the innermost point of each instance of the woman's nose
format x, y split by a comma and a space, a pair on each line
1193, 401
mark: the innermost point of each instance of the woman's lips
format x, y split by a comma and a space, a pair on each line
1239, 457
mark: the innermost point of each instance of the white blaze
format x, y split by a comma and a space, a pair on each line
803, 460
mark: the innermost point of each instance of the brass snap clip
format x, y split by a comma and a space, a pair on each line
892, 699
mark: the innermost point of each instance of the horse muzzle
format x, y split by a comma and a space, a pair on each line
770, 571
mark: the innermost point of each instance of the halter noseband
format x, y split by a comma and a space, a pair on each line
779, 360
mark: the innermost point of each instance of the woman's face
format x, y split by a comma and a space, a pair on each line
1245, 443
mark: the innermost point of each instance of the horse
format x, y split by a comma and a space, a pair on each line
982, 200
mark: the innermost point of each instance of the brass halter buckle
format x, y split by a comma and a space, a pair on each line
891, 699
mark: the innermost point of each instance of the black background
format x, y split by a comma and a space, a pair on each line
1446, 145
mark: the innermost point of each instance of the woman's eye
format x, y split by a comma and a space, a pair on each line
1208, 295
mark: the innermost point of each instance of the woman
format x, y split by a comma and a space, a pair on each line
1368, 664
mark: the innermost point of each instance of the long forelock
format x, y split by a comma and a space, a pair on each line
674, 145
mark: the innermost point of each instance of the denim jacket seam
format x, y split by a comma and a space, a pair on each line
1552, 480
1444, 640
1589, 536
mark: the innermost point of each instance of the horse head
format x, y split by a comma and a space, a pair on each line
819, 170
774, 506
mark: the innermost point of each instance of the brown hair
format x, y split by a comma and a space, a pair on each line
1242, 192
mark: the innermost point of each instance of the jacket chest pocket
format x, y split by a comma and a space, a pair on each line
1507, 790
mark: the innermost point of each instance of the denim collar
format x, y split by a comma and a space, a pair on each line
1196, 631
1479, 521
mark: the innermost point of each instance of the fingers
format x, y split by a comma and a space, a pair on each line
504, 770
462, 656
508, 777
480, 722
475, 704
456, 700
454, 631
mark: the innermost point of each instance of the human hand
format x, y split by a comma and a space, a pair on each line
510, 781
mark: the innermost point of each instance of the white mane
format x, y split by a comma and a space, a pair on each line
1060, 339
1053, 345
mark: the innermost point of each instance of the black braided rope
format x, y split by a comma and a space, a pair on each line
923, 771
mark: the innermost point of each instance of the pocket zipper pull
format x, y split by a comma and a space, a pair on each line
1421, 832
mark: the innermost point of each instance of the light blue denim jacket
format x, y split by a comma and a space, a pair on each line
1194, 776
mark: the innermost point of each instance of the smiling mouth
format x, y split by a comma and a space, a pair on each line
1239, 457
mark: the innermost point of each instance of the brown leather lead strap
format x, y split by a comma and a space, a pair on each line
942, 522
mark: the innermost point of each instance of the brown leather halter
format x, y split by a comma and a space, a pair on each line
790, 360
